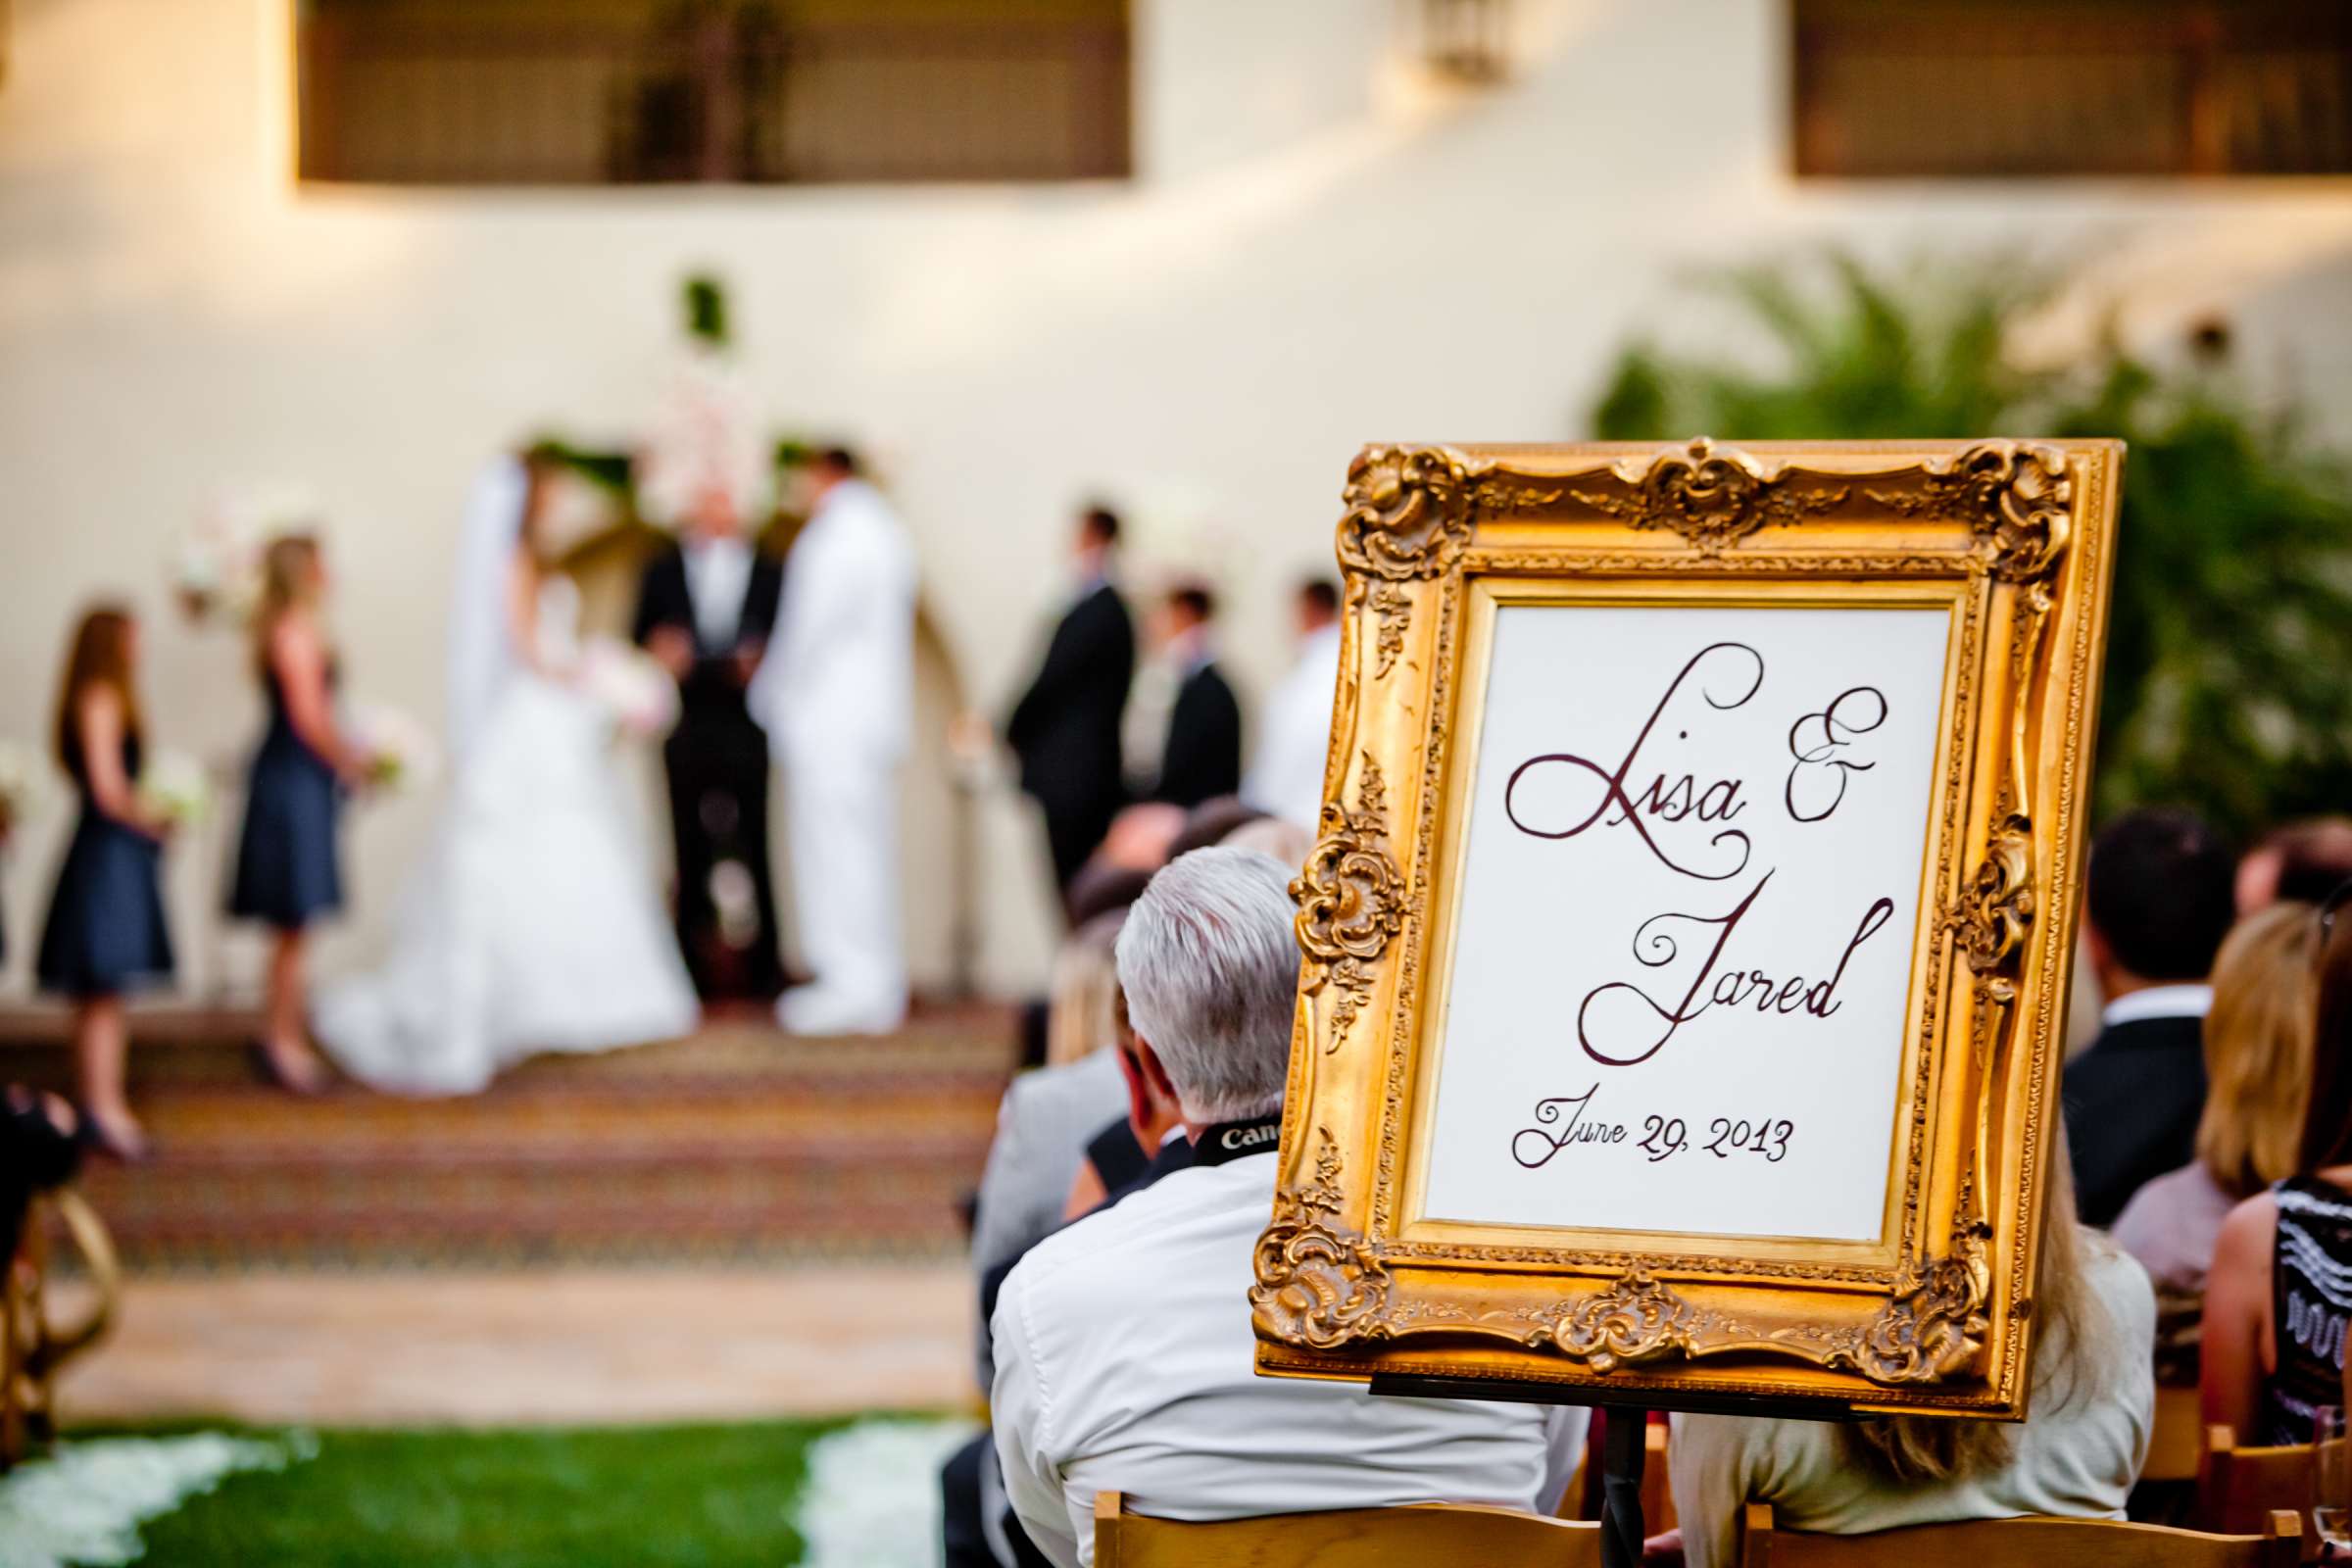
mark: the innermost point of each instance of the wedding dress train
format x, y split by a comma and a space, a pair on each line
533, 924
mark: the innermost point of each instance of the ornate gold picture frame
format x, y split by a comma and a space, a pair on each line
1393, 1253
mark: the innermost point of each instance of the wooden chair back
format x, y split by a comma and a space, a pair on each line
2176, 1445
32, 1347
1430, 1536
2042, 1543
2239, 1488
1657, 1496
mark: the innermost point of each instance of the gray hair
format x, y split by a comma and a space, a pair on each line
1210, 970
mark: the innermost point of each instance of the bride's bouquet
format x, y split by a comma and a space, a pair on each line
175, 787
400, 752
631, 683
21, 773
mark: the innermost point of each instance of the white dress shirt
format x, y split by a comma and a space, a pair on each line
1124, 1362
1286, 774
2076, 1455
719, 573
2192, 1000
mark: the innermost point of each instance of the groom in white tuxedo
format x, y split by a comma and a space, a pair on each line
837, 696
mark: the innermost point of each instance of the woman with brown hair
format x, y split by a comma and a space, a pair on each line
2280, 1289
2076, 1455
105, 934
287, 872
2258, 1078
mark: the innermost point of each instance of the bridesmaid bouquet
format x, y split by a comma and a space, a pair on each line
175, 787
630, 683
400, 752
22, 772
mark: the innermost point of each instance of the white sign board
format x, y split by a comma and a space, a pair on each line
1690, 884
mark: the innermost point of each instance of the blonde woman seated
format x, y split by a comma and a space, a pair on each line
2093, 1406
2280, 1286
2258, 1079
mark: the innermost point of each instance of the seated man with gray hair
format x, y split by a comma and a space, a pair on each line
1123, 1343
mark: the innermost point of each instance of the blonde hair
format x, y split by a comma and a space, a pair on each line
289, 582
1082, 1006
2266, 998
1912, 1449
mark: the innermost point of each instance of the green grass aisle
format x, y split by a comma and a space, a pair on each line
709, 1496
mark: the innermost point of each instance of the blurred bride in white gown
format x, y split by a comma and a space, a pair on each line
534, 922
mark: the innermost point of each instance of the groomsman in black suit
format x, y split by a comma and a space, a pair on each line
1065, 728
706, 609
1203, 756
2157, 902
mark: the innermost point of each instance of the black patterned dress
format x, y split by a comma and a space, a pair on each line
2311, 1300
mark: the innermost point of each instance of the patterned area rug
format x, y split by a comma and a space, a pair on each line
741, 1143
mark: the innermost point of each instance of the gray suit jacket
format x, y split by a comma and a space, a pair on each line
1042, 1129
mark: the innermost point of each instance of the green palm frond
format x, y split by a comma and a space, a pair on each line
2228, 681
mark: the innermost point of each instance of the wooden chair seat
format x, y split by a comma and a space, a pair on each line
2040, 1543
1428, 1536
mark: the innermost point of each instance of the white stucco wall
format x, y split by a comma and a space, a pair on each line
1316, 252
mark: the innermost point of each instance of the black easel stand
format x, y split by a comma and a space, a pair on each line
1624, 1446
1624, 1443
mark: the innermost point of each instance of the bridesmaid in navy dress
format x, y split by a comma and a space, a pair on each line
105, 934
288, 872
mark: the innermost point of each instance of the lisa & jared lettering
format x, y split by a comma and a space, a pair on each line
1623, 1023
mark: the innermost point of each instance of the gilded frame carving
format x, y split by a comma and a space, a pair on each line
2017, 537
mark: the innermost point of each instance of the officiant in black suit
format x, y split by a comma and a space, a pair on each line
1203, 759
1065, 728
705, 607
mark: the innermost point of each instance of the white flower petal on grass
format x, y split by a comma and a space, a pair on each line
84, 1504
872, 1497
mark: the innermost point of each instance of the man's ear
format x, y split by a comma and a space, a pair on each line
2095, 948
1140, 1109
1155, 1076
